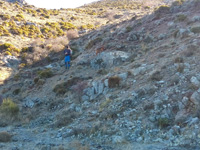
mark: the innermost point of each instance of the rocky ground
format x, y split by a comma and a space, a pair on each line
140, 92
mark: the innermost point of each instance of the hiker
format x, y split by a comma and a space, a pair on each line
67, 53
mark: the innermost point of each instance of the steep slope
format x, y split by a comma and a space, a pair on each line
134, 84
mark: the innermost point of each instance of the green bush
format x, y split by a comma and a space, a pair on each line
163, 122
47, 73
5, 17
178, 2
9, 107
16, 91
20, 16
128, 29
67, 26
195, 29
164, 9
181, 18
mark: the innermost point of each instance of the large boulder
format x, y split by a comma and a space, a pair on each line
11, 61
108, 59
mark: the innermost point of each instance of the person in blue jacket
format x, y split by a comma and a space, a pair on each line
68, 53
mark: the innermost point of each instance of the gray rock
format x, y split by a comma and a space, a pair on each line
11, 61
196, 18
62, 63
192, 121
117, 139
85, 98
195, 82
31, 102
195, 98
181, 116
123, 76
108, 59
106, 82
162, 36
89, 91
141, 70
183, 103
170, 24
183, 33
98, 86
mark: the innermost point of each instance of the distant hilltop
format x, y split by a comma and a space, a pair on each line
20, 1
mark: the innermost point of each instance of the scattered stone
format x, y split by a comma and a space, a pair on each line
195, 82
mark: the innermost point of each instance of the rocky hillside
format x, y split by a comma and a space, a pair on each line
134, 83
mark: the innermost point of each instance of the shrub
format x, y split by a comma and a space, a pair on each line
163, 122
179, 60
16, 91
177, 2
25, 49
93, 42
128, 29
164, 9
156, 76
6, 45
66, 118
181, 17
67, 26
113, 81
9, 107
20, 16
8, 53
5, 137
5, 17
62, 88
90, 26
195, 29
47, 73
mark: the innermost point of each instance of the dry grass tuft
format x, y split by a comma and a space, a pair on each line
114, 81
72, 34
76, 144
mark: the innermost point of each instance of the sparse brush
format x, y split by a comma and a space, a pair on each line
62, 88
110, 15
78, 88
195, 29
156, 76
93, 42
181, 17
179, 60
162, 10
47, 73
9, 107
114, 81
72, 34
163, 122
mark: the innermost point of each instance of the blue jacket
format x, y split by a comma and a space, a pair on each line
68, 51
